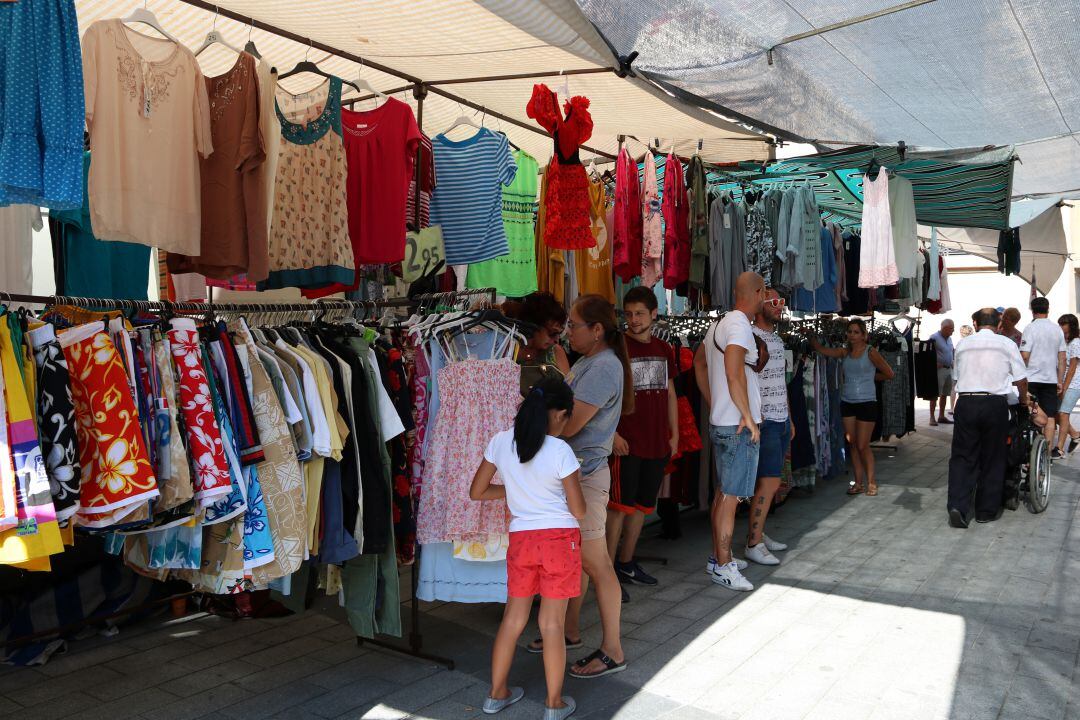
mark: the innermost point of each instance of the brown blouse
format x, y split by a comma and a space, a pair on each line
233, 192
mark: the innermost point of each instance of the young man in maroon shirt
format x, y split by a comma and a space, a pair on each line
646, 439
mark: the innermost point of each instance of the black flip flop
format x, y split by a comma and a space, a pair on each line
610, 666
570, 645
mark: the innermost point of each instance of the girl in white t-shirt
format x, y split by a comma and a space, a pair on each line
1070, 389
542, 486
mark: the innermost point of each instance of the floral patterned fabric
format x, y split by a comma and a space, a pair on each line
652, 227
477, 398
196, 405
173, 471
56, 422
309, 236
116, 470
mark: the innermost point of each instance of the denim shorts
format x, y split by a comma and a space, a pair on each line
736, 460
1068, 400
775, 438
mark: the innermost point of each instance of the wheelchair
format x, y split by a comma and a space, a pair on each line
1027, 477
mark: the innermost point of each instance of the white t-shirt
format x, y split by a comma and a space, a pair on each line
773, 378
1044, 340
734, 329
534, 490
1073, 353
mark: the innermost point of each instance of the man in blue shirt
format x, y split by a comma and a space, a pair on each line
943, 344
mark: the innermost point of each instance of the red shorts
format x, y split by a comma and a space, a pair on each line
547, 562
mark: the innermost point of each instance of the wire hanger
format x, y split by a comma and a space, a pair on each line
214, 37
362, 84
147, 17
306, 66
250, 46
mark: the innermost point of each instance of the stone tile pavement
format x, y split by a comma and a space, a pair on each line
879, 611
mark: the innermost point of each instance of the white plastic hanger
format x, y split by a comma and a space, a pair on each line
464, 119
363, 85
147, 17
213, 37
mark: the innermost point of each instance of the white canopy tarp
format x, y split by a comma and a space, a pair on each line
450, 39
947, 74
1043, 248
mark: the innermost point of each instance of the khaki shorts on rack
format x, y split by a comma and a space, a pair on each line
596, 487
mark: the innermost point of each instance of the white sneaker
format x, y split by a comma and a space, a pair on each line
760, 554
710, 567
773, 545
729, 576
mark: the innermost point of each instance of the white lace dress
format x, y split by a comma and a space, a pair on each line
877, 255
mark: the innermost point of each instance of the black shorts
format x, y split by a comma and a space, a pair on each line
1047, 396
636, 483
863, 411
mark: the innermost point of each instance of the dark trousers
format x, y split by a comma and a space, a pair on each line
979, 453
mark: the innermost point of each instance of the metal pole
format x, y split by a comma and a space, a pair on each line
507, 118
523, 76
252, 22
847, 23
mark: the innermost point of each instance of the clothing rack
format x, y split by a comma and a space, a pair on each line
168, 308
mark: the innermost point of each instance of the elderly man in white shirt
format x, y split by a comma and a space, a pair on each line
988, 365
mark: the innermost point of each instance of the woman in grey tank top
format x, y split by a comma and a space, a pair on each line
863, 365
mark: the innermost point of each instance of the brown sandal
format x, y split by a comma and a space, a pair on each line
871, 489
856, 489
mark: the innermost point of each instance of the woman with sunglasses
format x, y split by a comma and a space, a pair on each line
540, 356
862, 365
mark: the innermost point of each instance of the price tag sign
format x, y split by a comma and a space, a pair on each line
423, 251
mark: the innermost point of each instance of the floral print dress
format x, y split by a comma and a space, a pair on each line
309, 236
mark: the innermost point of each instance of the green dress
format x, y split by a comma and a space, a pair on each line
514, 275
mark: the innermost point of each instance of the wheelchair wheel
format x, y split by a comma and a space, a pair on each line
1038, 484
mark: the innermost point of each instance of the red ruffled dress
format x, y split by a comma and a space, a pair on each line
567, 222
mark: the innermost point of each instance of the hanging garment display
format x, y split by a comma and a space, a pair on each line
309, 240
233, 201
760, 244
676, 210
41, 105
699, 224
381, 147
877, 262
567, 226
594, 275
427, 187
17, 226
514, 274
149, 120
727, 249
823, 297
904, 225
87, 267
117, 478
258, 260
627, 237
652, 242
34, 535
467, 202
806, 232
56, 423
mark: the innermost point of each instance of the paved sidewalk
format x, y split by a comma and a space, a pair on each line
880, 610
